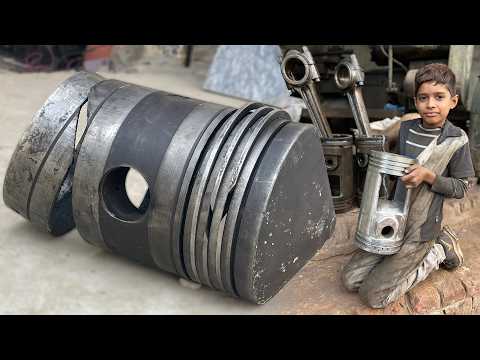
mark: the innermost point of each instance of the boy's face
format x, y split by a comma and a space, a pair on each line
433, 103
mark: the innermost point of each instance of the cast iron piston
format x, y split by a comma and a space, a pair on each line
381, 222
237, 200
363, 146
338, 152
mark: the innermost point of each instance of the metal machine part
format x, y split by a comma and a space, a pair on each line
301, 75
92, 158
338, 152
350, 77
363, 146
381, 222
38, 181
275, 239
202, 162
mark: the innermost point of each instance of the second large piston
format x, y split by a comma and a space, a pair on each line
339, 161
381, 222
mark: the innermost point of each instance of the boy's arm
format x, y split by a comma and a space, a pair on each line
460, 168
450, 187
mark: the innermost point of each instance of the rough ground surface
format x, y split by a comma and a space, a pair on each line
45, 275
317, 288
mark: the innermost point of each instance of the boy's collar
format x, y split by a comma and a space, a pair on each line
448, 130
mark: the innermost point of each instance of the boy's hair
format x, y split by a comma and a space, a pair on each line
440, 73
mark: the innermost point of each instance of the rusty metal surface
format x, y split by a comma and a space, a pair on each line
36, 177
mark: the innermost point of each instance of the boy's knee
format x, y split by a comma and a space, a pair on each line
375, 297
349, 281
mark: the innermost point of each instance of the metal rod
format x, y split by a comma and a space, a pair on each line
350, 77
300, 75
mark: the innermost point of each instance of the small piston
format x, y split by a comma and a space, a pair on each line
363, 146
381, 222
338, 152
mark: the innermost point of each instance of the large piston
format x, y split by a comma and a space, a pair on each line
381, 223
339, 161
234, 199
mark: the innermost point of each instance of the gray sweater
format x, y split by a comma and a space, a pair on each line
452, 183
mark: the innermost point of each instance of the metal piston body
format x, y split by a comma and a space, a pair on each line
381, 222
363, 146
338, 151
229, 204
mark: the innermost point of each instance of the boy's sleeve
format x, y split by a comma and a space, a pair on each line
460, 168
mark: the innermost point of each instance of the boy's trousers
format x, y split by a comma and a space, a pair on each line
381, 279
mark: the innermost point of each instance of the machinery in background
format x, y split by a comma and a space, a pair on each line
33, 58
346, 176
387, 88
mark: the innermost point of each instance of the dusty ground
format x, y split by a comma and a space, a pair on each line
45, 275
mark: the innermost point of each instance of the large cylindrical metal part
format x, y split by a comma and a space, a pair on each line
381, 222
237, 200
363, 146
338, 152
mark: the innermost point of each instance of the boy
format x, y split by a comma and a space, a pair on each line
380, 279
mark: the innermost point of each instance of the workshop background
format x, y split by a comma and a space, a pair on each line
42, 274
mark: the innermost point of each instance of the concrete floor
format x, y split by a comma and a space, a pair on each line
46, 275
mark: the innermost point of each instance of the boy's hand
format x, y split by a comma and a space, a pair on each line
416, 175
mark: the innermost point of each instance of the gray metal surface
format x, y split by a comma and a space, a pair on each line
381, 222
238, 189
349, 77
141, 143
165, 194
217, 200
363, 146
201, 163
225, 145
93, 156
300, 74
44, 155
287, 215
338, 153
185, 190
194, 247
